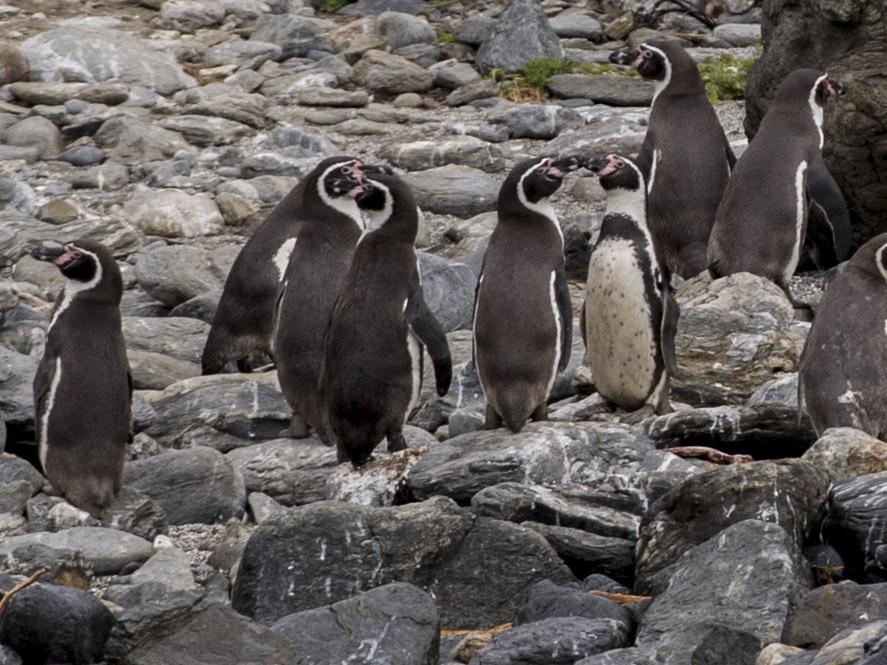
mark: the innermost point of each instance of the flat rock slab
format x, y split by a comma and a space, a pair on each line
745, 578
462, 191
196, 485
395, 624
790, 494
104, 551
603, 89
175, 336
830, 609
542, 454
557, 641
326, 551
845, 453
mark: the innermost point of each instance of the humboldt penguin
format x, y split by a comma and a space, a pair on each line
762, 219
630, 312
244, 320
685, 159
843, 370
523, 320
83, 385
329, 226
371, 374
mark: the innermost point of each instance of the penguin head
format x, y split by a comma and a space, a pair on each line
531, 181
344, 179
872, 257
617, 172
809, 84
334, 184
389, 205
88, 265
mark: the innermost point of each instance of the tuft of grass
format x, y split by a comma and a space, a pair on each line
332, 6
724, 76
538, 72
604, 68
445, 37
517, 89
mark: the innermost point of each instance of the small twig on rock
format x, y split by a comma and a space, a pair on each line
18, 587
620, 598
472, 641
709, 454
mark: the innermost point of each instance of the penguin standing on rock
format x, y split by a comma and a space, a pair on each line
843, 370
244, 320
630, 313
762, 219
329, 226
523, 320
371, 374
685, 160
83, 386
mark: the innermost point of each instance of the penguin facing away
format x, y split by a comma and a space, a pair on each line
630, 313
330, 224
843, 370
83, 385
762, 219
685, 159
523, 317
244, 320
371, 374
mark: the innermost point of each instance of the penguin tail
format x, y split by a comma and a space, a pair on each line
514, 409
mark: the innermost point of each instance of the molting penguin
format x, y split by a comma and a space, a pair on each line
523, 320
762, 219
244, 320
371, 373
630, 313
83, 386
843, 371
686, 159
330, 224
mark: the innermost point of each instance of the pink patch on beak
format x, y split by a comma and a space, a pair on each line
66, 258
555, 171
638, 60
613, 165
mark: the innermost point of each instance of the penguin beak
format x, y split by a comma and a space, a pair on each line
377, 169
605, 165
571, 163
624, 56
60, 256
597, 164
835, 87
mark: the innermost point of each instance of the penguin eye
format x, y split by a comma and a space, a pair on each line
647, 54
76, 254
347, 170
619, 163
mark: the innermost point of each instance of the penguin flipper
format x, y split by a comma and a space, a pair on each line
671, 313
829, 222
42, 382
565, 309
428, 330
644, 160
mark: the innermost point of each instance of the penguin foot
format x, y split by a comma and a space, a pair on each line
540, 414
639, 416
396, 442
298, 428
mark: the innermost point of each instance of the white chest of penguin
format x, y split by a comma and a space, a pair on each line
621, 344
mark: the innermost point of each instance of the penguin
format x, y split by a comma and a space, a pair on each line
371, 373
83, 385
244, 319
762, 219
829, 236
523, 321
686, 159
328, 228
630, 312
843, 369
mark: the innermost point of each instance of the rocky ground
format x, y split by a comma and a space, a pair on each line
722, 533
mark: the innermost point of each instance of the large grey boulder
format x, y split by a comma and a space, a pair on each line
454, 190
603, 89
396, 624
521, 33
733, 335
16, 392
857, 510
36, 132
845, 453
448, 288
827, 610
75, 53
326, 551
850, 45
390, 74
176, 273
173, 213
463, 150
546, 453
295, 35
743, 579
176, 336
56, 624
790, 494
400, 29
197, 485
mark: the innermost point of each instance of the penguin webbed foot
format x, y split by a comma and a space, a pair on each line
298, 428
540, 414
639, 416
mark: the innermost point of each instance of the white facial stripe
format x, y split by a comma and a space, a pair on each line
817, 110
373, 219
542, 207
879, 260
73, 287
44, 420
344, 204
282, 257
800, 216
663, 84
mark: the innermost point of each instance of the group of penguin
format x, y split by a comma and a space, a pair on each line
329, 286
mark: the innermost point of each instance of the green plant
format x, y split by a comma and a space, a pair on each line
538, 72
497, 74
445, 37
604, 68
332, 6
724, 76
